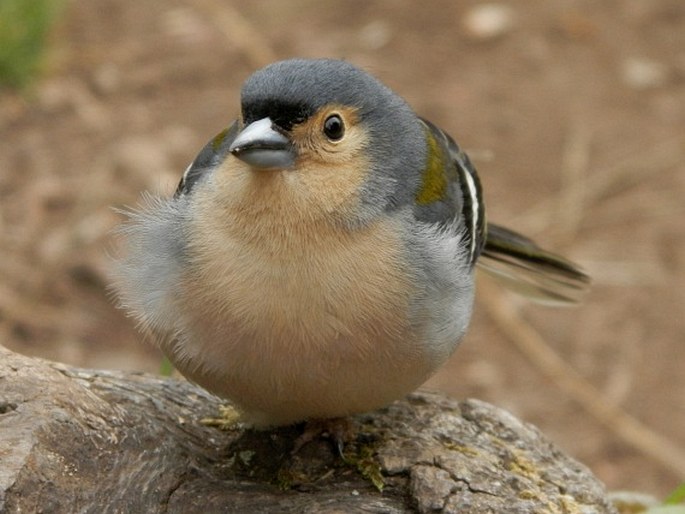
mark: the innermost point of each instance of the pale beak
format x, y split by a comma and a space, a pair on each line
262, 146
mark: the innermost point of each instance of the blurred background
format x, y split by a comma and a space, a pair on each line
573, 111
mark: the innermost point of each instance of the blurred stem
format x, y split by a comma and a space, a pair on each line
677, 496
24, 27
166, 368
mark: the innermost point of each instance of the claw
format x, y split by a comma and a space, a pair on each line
338, 430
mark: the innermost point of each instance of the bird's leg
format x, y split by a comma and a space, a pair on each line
338, 430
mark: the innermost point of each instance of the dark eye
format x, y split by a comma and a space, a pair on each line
334, 128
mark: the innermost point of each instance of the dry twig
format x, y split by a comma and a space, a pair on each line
624, 426
240, 32
637, 166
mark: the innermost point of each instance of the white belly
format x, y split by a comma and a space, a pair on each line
292, 317
309, 329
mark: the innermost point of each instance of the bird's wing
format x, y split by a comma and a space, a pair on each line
450, 189
209, 157
524, 267
451, 184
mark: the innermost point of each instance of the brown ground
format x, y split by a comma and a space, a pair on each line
575, 116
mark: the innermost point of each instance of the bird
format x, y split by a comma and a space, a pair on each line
317, 258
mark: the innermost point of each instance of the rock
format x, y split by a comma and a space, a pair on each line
75, 440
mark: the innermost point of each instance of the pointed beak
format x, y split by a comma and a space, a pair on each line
260, 145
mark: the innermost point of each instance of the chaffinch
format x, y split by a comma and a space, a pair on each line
317, 259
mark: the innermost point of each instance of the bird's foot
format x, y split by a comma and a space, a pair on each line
338, 430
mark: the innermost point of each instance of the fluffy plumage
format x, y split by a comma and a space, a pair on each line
307, 273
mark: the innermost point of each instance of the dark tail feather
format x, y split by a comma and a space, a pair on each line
524, 267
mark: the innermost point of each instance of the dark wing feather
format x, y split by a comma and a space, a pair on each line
209, 157
523, 266
461, 195
513, 259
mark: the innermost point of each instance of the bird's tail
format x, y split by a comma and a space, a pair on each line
524, 267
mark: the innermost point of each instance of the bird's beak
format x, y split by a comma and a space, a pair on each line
262, 146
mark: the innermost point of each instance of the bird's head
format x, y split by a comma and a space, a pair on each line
334, 125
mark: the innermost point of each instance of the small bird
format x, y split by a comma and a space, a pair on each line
317, 258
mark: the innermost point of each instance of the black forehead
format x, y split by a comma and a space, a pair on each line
283, 113
291, 91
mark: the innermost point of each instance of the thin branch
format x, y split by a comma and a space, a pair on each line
574, 167
529, 341
240, 32
637, 166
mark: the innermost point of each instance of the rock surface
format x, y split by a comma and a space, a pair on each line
74, 440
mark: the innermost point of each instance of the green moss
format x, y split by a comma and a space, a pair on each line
527, 494
228, 418
450, 445
364, 461
524, 467
287, 477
